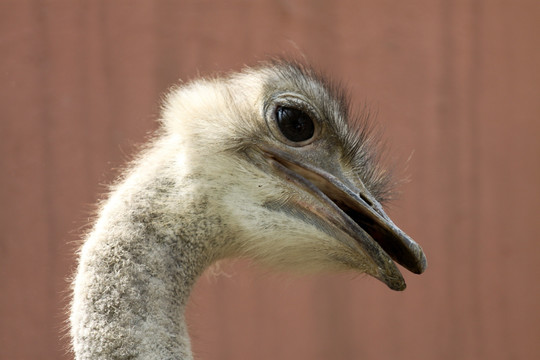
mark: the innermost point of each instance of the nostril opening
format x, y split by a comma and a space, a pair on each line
366, 199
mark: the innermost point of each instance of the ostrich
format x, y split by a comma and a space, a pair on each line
260, 164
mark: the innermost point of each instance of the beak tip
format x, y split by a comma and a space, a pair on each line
398, 287
390, 275
395, 281
415, 260
396, 284
422, 263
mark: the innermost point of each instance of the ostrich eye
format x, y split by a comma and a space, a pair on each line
294, 124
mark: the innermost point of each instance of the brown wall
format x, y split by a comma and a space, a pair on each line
455, 83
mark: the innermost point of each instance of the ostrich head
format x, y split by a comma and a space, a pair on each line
295, 186
262, 164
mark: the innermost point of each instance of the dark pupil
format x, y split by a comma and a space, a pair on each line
295, 124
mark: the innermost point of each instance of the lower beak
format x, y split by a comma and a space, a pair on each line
360, 216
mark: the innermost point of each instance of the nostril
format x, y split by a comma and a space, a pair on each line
366, 199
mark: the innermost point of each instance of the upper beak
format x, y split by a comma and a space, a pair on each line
359, 215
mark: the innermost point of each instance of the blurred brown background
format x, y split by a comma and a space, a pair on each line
456, 84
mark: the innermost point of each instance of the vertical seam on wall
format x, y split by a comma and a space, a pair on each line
472, 113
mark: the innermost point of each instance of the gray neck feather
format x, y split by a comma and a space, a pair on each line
137, 269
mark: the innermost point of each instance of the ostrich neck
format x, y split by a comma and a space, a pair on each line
136, 272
